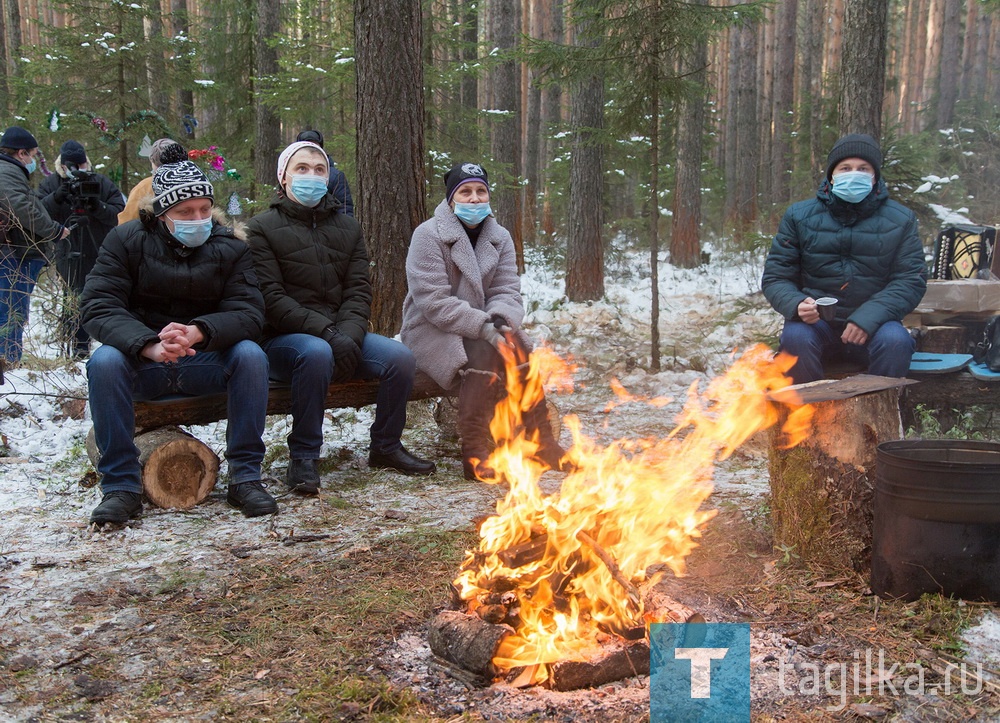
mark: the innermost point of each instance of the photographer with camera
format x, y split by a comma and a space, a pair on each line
88, 203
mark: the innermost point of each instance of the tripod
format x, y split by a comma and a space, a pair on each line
73, 267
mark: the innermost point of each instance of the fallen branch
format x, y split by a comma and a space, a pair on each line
609, 562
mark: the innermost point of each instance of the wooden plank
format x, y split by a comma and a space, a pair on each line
212, 408
828, 390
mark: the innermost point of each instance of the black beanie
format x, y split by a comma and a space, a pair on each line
462, 173
17, 138
72, 153
855, 145
311, 136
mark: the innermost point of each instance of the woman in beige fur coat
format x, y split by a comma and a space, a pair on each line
463, 305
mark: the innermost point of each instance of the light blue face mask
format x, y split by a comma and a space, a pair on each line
31, 165
472, 214
192, 233
853, 186
308, 189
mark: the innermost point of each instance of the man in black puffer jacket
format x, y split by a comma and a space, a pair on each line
313, 270
174, 300
89, 203
855, 248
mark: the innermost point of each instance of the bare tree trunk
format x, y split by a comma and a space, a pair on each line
152, 26
732, 106
5, 104
743, 208
505, 135
267, 126
12, 23
185, 96
969, 48
765, 99
390, 146
685, 239
585, 245
551, 117
654, 230
982, 56
951, 61
531, 138
470, 37
862, 72
784, 93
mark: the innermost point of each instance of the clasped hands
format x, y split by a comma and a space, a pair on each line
495, 331
176, 341
809, 313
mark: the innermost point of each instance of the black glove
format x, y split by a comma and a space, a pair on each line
346, 354
92, 204
62, 193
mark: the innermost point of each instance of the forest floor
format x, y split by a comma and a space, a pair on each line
320, 612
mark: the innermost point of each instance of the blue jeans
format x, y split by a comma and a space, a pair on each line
17, 281
307, 363
886, 354
115, 380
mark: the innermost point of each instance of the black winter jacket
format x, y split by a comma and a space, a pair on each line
144, 279
76, 254
313, 269
868, 255
25, 225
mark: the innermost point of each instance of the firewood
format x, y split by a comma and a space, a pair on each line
658, 607
178, 471
623, 660
467, 641
524, 553
609, 562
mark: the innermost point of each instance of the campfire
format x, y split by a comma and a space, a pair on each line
562, 587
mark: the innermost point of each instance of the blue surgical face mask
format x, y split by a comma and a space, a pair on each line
31, 165
308, 189
853, 186
192, 233
472, 213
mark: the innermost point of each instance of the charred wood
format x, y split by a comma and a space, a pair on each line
467, 641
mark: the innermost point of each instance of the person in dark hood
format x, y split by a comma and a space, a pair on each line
175, 303
338, 180
313, 269
853, 247
89, 204
26, 230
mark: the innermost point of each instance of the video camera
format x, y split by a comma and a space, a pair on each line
82, 186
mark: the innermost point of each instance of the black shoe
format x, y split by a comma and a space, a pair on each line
401, 461
117, 508
303, 476
251, 499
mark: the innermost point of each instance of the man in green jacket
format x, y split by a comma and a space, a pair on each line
313, 270
852, 247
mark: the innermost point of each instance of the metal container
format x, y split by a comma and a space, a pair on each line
937, 519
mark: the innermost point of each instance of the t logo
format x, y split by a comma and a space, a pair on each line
699, 672
701, 667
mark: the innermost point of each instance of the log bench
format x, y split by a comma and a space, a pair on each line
188, 410
179, 471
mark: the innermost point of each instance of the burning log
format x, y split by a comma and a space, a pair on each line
822, 490
624, 660
609, 562
178, 471
467, 641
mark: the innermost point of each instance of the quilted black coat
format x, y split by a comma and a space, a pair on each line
144, 279
313, 269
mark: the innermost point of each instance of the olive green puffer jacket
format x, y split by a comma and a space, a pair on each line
313, 269
867, 255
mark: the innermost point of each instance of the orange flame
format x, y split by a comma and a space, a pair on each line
629, 505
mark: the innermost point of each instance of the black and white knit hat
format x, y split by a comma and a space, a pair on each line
177, 182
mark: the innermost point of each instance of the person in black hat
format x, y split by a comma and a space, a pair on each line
88, 203
462, 307
175, 303
853, 247
338, 180
26, 229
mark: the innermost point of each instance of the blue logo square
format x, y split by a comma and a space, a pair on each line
699, 672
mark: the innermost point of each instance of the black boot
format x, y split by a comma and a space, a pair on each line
251, 499
476, 401
117, 508
536, 422
303, 476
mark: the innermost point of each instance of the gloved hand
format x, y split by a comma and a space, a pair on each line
490, 333
92, 204
501, 325
346, 354
62, 193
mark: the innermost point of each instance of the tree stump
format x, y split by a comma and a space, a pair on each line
178, 471
823, 489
